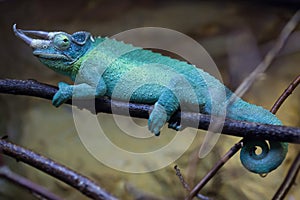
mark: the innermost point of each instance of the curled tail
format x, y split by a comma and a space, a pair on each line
272, 154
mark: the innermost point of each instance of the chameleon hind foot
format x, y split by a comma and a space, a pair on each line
175, 125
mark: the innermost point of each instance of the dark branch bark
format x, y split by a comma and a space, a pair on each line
231, 127
289, 179
70, 177
271, 55
287, 183
214, 170
285, 94
6, 173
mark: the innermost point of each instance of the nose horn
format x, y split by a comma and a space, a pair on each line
28, 40
20, 34
42, 34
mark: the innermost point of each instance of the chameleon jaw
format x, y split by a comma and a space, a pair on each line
52, 56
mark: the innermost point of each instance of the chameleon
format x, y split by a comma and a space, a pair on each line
98, 65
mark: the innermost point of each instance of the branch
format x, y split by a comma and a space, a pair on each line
289, 179
284, 35
70, 177
214, 170
271, 55
286, 185
186, 185
231, 127
6, 173
285, 94
295, 167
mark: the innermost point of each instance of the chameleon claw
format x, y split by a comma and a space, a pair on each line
157, 134
175, 125
154, 127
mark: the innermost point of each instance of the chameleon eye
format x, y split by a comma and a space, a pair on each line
61, 41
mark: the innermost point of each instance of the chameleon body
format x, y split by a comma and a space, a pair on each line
105, 67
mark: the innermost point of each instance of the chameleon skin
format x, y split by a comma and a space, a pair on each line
106, 67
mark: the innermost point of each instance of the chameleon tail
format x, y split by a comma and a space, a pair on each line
269, 158
271, 155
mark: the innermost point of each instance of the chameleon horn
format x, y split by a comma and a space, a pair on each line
20, 34
42, 34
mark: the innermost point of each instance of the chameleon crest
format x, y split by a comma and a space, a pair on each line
100, 64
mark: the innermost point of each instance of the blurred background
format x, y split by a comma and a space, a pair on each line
237, 34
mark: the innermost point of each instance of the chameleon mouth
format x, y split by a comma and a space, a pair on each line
51, 56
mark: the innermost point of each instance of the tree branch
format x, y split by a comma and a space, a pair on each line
289, 179
214, 170
271, 55
6, 173
287, 183
70, 177
105, 105
285, 94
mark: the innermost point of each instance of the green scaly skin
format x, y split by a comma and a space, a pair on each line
106, 67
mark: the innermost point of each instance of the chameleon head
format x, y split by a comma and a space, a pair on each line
57, 50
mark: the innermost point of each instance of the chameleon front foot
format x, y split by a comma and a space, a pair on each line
63, 94
157, 119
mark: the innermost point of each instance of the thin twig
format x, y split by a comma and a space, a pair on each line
1, 160
271, 55
188, 119
286, 184
186, 185
181, 179
214, 170
285, 33
289, 179
285, 94
6, 173
70, 177
295, 167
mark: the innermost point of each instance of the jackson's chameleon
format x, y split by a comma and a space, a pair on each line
101, 66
